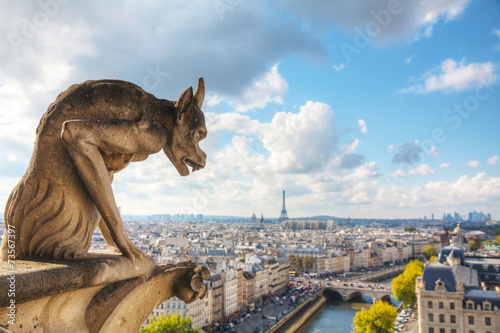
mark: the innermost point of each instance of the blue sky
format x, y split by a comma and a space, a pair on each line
384, 109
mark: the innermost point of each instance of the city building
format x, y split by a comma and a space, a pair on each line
216, 286
229, 291
446, 305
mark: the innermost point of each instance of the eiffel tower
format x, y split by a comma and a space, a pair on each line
284, 214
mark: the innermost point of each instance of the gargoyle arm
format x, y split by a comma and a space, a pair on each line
139, 157
86, 139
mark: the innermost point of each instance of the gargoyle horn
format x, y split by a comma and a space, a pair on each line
199, 94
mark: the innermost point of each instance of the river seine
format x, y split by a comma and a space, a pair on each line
336, 316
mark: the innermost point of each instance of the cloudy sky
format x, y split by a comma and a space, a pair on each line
381, 109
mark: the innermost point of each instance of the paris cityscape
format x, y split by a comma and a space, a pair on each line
254, 284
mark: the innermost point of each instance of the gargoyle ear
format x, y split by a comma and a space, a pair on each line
199, 94
184, 101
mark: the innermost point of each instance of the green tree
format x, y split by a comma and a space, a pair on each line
308, 262
403, 286
291, 259
474, 246
497, 238
429, 251
172, 323
299, 263
380, 318
410, 229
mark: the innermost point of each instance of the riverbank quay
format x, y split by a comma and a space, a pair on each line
292, 321
377, 275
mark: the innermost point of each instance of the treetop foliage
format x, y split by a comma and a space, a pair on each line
403, 286
172, 323
380, 318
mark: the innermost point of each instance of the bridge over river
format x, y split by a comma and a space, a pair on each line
348, 291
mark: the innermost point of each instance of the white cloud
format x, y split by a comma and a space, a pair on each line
433, 152
232, 122
493, 160
466, 192
339, 67
362, 126
455, 76
399, 173
423, 169
269, 88
389, 148
444, 165
350, 146
473, 164
212, 100
411, 20
409, 59
301, 141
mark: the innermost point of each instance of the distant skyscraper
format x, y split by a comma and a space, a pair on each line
261, 219
284, 214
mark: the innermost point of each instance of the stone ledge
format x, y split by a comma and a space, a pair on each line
35, 279
101, 293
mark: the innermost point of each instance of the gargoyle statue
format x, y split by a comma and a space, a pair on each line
91, 131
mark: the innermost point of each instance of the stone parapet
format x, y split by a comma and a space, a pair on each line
100, 293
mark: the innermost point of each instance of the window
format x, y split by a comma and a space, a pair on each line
441, 305
472, 331
471, 320
486, 306
441, 330
469, 306
441, 318
429, 304
431, 329
488, 321
431, 317
452, 306
452, 319
453, 330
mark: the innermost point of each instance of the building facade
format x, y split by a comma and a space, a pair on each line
446, 305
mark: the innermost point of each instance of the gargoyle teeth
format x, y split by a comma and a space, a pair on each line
193, 164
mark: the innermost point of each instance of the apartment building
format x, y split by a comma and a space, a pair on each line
446, 305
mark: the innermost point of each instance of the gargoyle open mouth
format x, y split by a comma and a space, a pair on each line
193, 164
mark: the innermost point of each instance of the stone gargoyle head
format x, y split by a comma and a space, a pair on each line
188, 130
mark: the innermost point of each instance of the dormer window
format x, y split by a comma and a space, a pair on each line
487, 306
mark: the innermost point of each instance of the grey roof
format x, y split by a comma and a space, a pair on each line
436, 271
467, 276
479, 296
453, 250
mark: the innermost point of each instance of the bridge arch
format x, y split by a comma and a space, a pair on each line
332, 293
348, 293
352, 295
